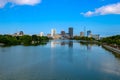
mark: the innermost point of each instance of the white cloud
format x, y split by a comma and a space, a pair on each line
104, 10
19, 2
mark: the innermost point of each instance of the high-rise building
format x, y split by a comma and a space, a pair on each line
63, 33
49, 35
82, 34
97, 37
71, 32
41, 34
21, 33
53, 32
89, 33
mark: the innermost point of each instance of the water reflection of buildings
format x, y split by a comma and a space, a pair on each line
70, 50
53, 44
65, 51
62, 43
69, 43
89, 47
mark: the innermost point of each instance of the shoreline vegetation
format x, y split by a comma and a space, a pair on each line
112, 43
87, 40
26, 40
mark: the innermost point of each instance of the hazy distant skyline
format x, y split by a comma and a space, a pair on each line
35, 16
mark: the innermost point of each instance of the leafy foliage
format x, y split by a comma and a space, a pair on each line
112, 40
84, 38
24, 40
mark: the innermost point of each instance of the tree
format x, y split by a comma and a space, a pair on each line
26, 40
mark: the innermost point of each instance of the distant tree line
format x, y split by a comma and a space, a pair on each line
84, 38
114, 40
23, 40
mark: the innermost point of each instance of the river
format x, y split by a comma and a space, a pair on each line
59, 60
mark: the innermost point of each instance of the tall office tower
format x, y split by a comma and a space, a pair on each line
63, 33
41, 34
71, 32
53, 32
82, 34
89, 33
21, 33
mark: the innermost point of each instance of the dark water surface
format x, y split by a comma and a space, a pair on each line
58, 60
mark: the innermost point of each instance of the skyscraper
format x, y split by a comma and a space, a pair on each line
41, 34
21, 33
71, 32
82, 34
53, 32
63, 33
89, 33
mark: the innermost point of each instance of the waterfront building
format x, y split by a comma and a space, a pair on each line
70, 32
21, 33
63, 33
49, 35
82, 34
41, 34
97, 37
67, 36
53, 32
15, 34
89, 33
57, 36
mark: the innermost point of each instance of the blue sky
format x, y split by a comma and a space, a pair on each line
35, 16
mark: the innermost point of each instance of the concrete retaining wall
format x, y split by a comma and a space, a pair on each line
112, 49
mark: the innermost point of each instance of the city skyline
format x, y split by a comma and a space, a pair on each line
35, 16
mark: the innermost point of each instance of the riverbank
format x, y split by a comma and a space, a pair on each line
1, 44
111, 49
90, 42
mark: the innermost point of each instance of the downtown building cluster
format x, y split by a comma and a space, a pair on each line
63, 34
70, 34
89, 35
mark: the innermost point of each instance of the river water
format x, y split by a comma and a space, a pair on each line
59, 60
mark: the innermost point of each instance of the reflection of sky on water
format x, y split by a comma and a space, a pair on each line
53, 44
62, 43
58, 60
89, 47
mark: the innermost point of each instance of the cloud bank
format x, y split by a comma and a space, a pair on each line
104, 10
19, 2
